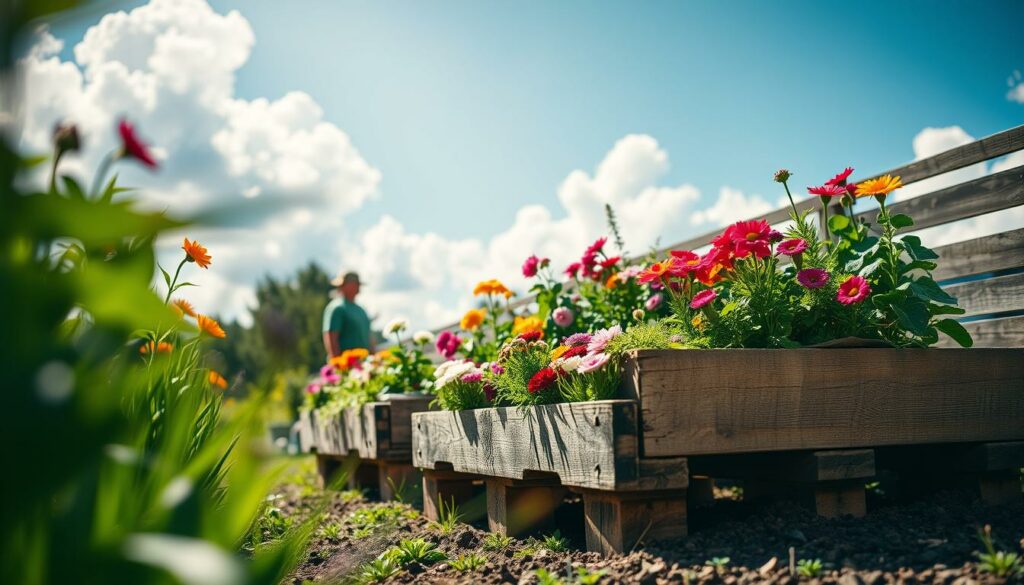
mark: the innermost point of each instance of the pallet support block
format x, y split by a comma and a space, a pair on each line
398, 480
518, 507
449, 488
617, 522
992, 470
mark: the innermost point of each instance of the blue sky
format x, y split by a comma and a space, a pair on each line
468, 112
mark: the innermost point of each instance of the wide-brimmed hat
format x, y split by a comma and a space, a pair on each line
345, 277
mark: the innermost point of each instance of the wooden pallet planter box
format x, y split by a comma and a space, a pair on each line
529, 457
372, 443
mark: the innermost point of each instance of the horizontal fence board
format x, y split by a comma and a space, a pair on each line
1002, 251
708, 402
989, 295
1004, 332
985, 195
985, 149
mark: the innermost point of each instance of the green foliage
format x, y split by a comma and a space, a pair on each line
379, 570
555, 542
1002, 564
417, 550
459, 395
585, 576
331, 531
809, 568
646, 335
448, 517
719, 563
546, 578
468, 562
521, 360
373, 518
497, 542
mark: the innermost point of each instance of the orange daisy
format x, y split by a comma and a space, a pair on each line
473, 319
162, 347
218, 380
491, 287
184, 307
879, 186
210, 327
527, 324
197, 253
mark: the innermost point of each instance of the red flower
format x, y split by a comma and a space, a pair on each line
573, 269
684, 263
702, 298
654, 272
610, 262
531, 336
840, 179
853, 290
597, 246
827, 190
750, 237
530, 266
576, 350
132, 146
792, 247
812, 277
542, 380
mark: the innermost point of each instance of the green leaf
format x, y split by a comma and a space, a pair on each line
938, 309
900, 221
916, 250
73, 188
167, 277
913, 315
838, 223
920, 265
728, 308
926, 289
956, 331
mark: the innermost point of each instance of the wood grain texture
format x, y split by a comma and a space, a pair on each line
587, 444
307, 440
705, 402
1000, 251
515, 508
618, 522
989, 295
377, 430
987, 148
1004, 332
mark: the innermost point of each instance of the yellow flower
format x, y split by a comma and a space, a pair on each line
218, 380
879, 186
491, 287
210, 327
197, 253
184, 307
527, 324
558, 351
473, 319
162, 347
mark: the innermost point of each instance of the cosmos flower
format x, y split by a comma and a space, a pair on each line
132, 146
827, 190
840, 178
792, 247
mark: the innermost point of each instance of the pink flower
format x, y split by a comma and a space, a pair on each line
330, 375
792, 247
573, 270
563, 316
653, 302
840, 179
812, 277
827, 190
577, 339
749, 237
472, 377
775, 236
447, 344
600, 339
593, 362
490, 392
702, 298
132, 146
497, 369
532, 264
853, 290
312, 388
597, 246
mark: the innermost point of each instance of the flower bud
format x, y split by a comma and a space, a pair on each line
65, 138
782, 175
638, 314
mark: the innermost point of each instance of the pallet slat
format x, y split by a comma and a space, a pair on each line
1005, 332
1000, 251
990, 295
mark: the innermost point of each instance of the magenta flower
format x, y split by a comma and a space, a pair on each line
330, 375
573, 270
792, 247
132, 146
812, 277
472, 377
827, 190
703, 298
497, 369
853, 290
775, 236
490, 392
447, 344
563, 316
653, 302
840, 179
312, 388
577, 339
532, 264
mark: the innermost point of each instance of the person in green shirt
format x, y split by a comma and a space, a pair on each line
346, 325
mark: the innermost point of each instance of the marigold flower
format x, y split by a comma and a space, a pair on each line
196, 253
527, 324
491, 287
184, 307
563, 316
880, 186
210, 326
132, 146
853, 290
840, 178
812, 277
827, 191
612, 281
703, 298
542, 380
473, 319
162, 347
792, 247
217, 380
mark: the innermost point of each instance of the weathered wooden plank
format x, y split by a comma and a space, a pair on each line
985, 195
987, 148
516, 507
616, 522
588, 444
307, 440
1000, 251
990, 295
401, 407
701, 402
1005, 332
377, 430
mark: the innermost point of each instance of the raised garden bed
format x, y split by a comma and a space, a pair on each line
812, 419
371, 444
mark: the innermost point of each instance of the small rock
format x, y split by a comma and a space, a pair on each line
767, 568
850, 579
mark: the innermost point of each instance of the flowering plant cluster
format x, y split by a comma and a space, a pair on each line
758, 287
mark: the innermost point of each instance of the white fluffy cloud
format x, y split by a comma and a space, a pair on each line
169, 66
1016, 84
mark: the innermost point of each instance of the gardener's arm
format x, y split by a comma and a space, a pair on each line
331, 343
333, 320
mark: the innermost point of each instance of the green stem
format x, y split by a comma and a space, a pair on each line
101, 172
174, 281
53, 170
888, 234
796, 213
824, 213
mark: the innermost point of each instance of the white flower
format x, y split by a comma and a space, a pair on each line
569, 364
396, 326
423, 337
451, 371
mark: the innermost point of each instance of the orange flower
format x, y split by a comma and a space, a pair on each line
196, 253
491, 287
349, 358
655, 271
612, 282
880, 186
473, 319
386, 355
218, 380
162, 347
210, 327
184, 307
527, 324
